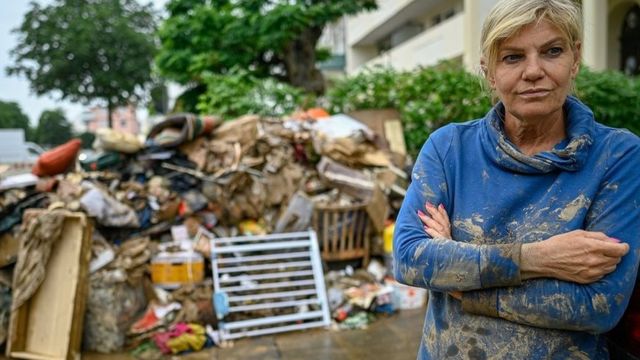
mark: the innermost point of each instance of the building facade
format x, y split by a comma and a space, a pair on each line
405, 34
124, 119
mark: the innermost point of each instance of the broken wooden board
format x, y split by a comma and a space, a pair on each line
49, 325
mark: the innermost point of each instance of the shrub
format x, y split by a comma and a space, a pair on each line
613, 97
426, 98
239, 93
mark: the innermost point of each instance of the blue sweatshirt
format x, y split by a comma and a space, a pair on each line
497, 199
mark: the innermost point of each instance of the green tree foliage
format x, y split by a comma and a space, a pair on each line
87, 139
268, 37
239, 93
53, 128
12, 117
87, 50
613, 97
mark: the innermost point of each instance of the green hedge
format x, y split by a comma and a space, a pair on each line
613, 97
429, 98
426, 98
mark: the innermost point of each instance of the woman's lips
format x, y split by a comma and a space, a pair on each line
533, 94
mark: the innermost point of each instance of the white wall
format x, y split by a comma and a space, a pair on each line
443, 41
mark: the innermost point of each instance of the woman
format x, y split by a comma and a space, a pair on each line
543, 249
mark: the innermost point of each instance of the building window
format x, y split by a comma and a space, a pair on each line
630, 42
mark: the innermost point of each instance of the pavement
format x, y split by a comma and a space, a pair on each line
389, 337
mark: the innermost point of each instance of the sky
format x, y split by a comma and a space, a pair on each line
16, 89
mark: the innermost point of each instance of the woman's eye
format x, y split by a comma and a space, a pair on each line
511, 58
555, 51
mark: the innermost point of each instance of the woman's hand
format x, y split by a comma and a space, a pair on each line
437, 224
436, 221
579, 256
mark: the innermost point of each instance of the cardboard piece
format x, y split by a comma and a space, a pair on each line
386, 124
378, 208
9, 246
353, 182
49, 325
395, 136
297, 217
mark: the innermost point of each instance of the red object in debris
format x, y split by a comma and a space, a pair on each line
147, 322
317, 113
58, 159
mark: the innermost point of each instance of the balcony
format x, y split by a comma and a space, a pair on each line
444, 41
369, 27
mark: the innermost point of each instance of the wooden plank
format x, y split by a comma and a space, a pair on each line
352, 228
26, 355
395, 136
49, 325
334, 230
326, 249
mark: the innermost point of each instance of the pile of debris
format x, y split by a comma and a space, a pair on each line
154, 204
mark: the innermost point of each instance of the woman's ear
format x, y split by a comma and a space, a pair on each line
485, 73
577, 59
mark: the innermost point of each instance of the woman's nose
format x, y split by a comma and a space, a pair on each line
533, 69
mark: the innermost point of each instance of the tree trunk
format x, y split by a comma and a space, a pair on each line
110, 113
299, 58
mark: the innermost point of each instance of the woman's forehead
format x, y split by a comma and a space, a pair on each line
540, 33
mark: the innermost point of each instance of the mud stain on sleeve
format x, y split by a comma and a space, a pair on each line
611, 187
409, 274
561, 302
577, 354
600, 303
485, 176
419, 250
468, 226
571, 210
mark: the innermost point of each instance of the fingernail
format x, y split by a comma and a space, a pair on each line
430, 205
420, 213
425, 228
442, 207
614, 240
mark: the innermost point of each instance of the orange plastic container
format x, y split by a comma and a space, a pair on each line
172, 270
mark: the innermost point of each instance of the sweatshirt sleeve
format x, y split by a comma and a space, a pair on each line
595, 307
443, 264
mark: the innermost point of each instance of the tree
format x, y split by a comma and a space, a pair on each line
12, 117
53, 128
87, 50
87, 139
268, 37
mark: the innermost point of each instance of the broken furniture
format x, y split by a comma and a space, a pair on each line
49, 324
268, 284
343, 231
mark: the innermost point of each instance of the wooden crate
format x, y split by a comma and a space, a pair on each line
343, 232
49, 325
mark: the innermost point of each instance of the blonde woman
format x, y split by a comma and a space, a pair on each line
541, 253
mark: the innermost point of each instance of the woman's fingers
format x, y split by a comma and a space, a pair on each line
615, 249
433, 227
438, 213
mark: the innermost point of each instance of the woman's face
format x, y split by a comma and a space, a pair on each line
534, 70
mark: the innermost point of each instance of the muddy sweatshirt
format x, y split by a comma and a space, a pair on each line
497, 199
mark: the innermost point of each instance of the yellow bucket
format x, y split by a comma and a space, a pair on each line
172, 270
387, 237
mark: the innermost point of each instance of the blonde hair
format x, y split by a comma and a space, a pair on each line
508, 17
